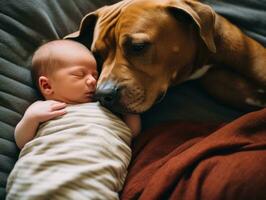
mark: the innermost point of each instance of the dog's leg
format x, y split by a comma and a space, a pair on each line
233, 89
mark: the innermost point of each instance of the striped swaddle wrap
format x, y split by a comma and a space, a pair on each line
83, 154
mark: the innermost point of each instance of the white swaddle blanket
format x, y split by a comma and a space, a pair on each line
83, 154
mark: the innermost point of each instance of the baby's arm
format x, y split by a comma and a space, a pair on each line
38, 112
134, 123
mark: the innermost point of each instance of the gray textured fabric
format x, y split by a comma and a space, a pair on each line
24, 25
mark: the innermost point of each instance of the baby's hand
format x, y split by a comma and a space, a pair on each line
41, 111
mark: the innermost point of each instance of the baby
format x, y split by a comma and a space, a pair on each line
72, 147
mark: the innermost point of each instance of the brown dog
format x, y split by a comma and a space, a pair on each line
144, 46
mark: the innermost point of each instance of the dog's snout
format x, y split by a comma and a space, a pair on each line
107, 93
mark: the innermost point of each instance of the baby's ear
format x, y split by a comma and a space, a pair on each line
45, 86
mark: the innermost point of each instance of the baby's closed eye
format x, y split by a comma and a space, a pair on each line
78, 73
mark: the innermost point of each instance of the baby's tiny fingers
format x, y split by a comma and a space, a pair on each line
58, 106
58, 113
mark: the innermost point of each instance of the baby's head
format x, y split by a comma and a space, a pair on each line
65, 70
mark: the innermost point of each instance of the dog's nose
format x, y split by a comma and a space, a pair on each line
107, 93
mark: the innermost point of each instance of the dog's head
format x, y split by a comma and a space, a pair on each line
144, 46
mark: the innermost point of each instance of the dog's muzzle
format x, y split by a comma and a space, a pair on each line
108, 94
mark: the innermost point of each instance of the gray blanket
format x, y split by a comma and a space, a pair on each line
24, 25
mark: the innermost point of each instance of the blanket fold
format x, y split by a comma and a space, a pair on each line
82, 155
201, 161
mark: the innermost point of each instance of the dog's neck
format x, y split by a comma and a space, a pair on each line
238, 51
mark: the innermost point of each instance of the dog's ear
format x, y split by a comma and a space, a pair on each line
106, 15
202, 14
86, 29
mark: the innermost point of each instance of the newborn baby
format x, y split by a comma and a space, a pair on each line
72, 147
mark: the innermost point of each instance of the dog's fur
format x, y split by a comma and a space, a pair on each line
144, 46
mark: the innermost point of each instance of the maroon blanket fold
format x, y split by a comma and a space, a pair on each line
188, 161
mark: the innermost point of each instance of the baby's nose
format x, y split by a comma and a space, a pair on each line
91, 81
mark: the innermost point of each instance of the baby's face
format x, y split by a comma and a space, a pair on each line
75, 79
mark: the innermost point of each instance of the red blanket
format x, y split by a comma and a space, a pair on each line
188, 161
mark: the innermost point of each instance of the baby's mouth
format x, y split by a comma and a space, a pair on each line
90, 94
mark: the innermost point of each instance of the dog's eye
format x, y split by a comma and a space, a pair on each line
137, 47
